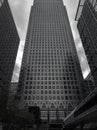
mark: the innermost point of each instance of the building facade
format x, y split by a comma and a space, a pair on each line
87, 24
87, 87
50, 74
9, 42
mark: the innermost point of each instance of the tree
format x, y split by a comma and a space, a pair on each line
3, 101
10, 114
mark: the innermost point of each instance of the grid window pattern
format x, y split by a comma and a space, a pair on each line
50, 75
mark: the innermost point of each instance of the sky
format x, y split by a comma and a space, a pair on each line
21, 11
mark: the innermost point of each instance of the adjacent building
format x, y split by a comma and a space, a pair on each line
9, 41
87, 26
87, 87
50, 73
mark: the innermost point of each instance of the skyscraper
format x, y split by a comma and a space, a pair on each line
50, 73
87, 24
9, 41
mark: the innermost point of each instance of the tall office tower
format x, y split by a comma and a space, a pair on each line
50, 71
87, 24
9, 41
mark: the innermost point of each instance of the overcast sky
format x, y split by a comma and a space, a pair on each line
21, 10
